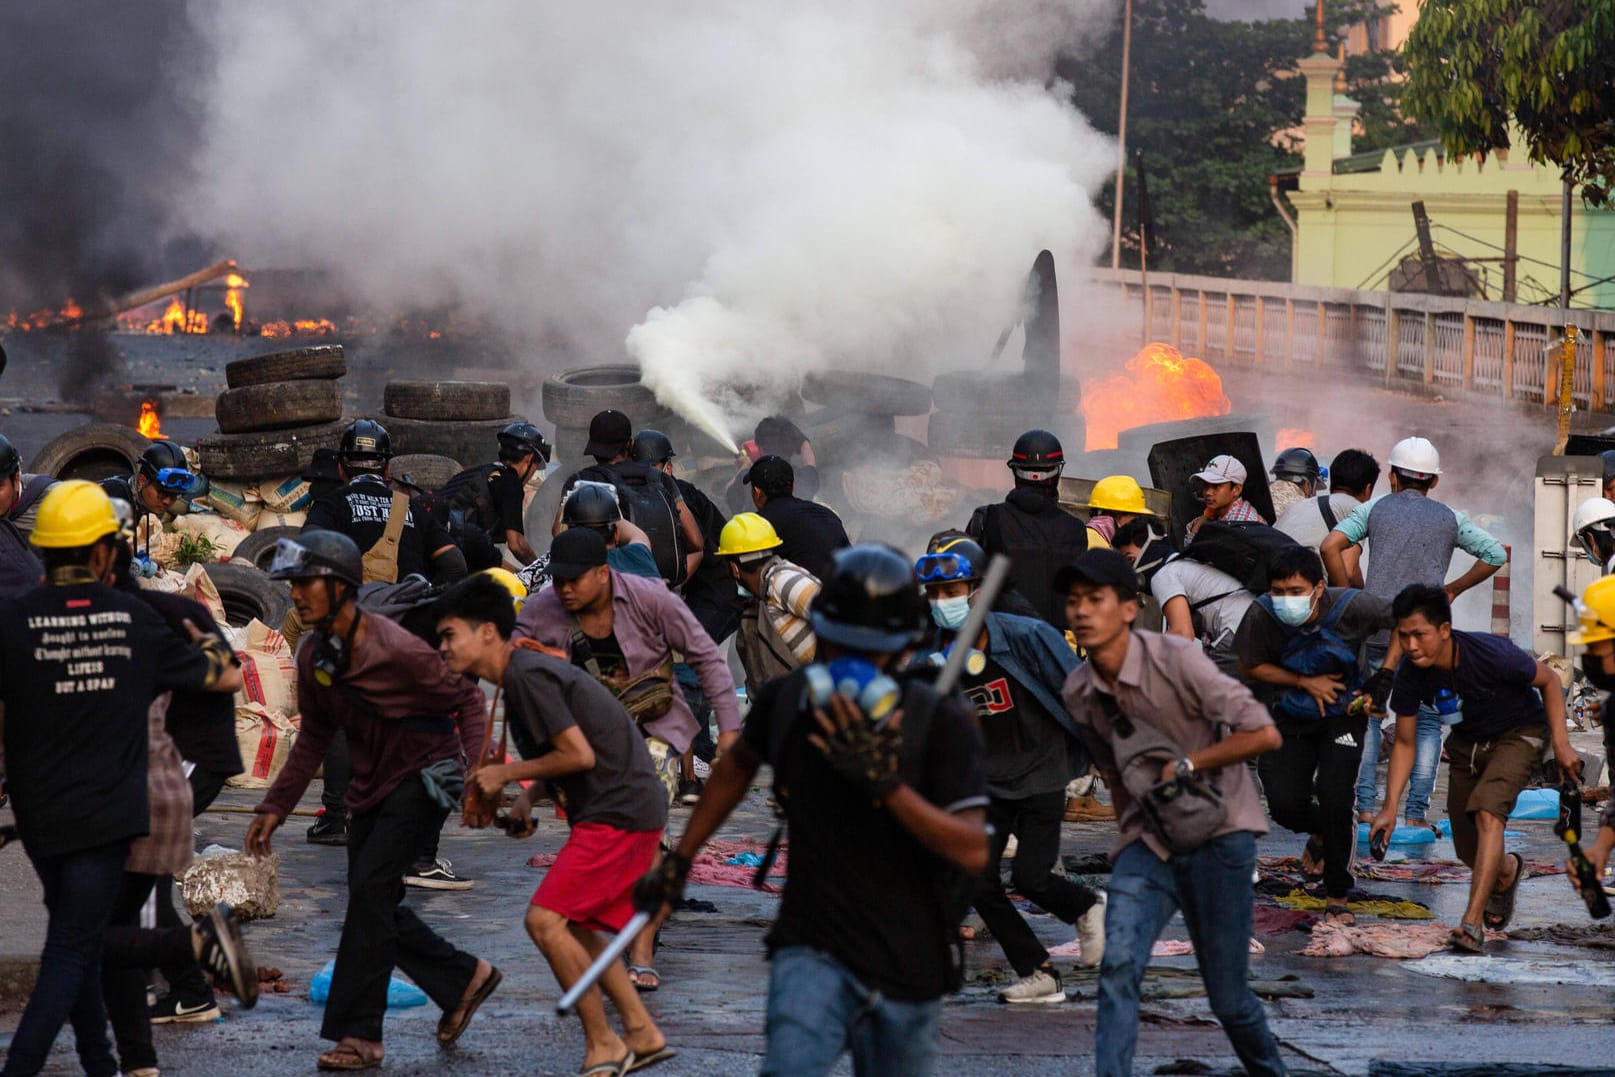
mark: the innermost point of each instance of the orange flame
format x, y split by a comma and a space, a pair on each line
1295, 438
149, 425
233, 284
301, 327
1160, 384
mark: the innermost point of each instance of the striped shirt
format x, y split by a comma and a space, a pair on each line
788, 593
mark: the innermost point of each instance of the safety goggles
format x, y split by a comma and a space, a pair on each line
943, 567
293, 560
175, 480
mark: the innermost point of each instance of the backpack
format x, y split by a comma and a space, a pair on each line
1037, 548
642, 495
468, 494
1319, 650
1242, 550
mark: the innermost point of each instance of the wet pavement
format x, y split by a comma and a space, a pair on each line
1362, 1009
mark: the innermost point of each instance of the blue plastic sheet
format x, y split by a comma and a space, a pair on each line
1536, 804
748, 859
1402, 835
401, 994
1446, 830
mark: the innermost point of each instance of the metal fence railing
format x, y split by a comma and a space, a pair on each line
1498, 350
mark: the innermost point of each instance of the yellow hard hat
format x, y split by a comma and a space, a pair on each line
510, 582
1597, 612
747, 533
72, 514
1118, 493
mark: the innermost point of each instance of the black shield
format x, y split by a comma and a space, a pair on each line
1174, 463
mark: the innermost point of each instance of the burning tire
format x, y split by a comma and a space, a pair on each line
248, 592
425, 470
258, 548
267, 455
325, 362
446, 401
868, 394
573, 397
97, 451
473, 442
278, 406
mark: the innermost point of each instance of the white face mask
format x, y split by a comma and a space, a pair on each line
950, 613
1293, 610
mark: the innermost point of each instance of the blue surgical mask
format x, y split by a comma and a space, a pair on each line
950, 613
743, 591
1293, 610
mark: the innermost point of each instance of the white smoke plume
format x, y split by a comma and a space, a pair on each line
732, 193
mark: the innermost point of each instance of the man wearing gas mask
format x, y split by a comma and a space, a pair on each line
881, 784
1013, 677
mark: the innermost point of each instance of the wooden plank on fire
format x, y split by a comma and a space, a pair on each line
163, 291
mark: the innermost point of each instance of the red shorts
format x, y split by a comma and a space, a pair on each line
592, 880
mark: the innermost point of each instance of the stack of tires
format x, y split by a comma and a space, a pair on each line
858, 415
438, 426
94, 452
981, 415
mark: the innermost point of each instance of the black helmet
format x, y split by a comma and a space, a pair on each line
365, 439
317, 553
10, 459
870, 601
1297, 465
960, 545
520, 439
591, 504
160, 455
652, 447
1037, 456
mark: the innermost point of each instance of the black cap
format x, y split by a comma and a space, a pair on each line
1101, 568
609, 434
653, 447
575, 552
772, 475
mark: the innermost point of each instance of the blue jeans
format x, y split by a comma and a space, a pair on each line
1212, 885
817, 1010
80, 891
1426, 758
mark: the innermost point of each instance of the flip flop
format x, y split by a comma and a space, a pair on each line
1468, 938
623, 1065
661, 1054
348, 1056
451, 1024
1500, 906
1337, 912
636, 971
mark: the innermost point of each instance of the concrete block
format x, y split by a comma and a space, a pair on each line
250, 885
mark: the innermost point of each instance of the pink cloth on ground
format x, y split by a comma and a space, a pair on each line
1162, 948
1400, 941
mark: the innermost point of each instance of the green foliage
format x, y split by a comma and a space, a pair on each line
1547, 65
1216, 108
195, 550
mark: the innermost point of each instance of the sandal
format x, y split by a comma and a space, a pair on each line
1500, 906
645, 978
451, 1024
1312, 858
352, 1054
610, 1069
1338, 912
1468, 938
661, 1054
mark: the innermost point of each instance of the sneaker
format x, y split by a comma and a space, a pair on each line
690, 790
1042, 988
703, 769
170, 1010
329, 829
437, 875
224, 954
1091, 934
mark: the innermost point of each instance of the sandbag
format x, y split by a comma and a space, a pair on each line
250, 885
291, 494
224, 533
240, 502
266, 738
270, 518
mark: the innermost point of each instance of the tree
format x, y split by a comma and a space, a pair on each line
1216, 107
1548, 66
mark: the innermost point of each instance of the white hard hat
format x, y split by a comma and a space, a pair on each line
1595, 510
1416, 455
1592, 519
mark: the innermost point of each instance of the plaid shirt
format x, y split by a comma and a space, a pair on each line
168, 847
1240, 512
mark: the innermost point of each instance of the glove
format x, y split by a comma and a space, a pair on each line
662, 885
859, 751
1378, 689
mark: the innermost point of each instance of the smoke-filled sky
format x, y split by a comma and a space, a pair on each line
727, 191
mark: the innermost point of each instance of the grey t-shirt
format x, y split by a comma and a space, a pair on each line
545, 696
1199, 583
1304, 522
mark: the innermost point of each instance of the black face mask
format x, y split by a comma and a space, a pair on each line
1593, 667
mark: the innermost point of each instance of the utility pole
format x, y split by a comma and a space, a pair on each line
1564, 247
1121, 138
1511, 247
1567, 354
1433, 284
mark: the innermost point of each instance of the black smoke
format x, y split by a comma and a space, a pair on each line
97, 128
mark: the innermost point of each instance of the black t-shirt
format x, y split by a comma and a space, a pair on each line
490, 496
79, 666
202, 724
1026, 748
607, 655
360, 511
861, 887
545, 696
711, 593
1492, 681
808, 532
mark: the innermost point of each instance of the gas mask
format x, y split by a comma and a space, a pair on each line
873, 692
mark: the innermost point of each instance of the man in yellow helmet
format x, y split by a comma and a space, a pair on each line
1116, 499
775, 634
80, 664
1598, 636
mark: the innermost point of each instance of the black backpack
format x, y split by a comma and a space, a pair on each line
642, 493
1242, 550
